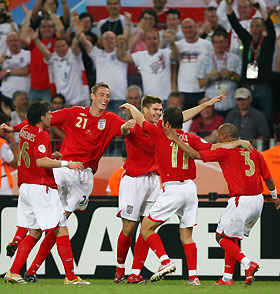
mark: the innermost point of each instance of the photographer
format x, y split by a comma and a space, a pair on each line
7, 25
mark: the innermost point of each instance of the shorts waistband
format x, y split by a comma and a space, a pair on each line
180, 182
144, 175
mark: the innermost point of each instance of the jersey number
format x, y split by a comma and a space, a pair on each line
82, 122
174, 155
249, 172
22, 153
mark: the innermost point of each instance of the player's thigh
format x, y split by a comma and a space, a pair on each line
47, 207
170, 200
25, 214
132, 194
188, 213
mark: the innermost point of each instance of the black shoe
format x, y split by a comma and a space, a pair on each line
30, 278
11, 249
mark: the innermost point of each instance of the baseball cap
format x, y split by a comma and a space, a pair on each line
242, 93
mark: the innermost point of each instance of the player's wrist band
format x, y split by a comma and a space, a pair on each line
273, 194
64, 163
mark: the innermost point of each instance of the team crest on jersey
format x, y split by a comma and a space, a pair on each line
101, 124
129, 209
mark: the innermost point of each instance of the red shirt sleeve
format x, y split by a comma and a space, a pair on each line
154, 131
41, 148
264, 168
198, 143
212, 155
59, 117
19, 126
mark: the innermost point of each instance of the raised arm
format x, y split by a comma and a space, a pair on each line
23, 33
128, 24
78, 30
36, 8
192, 112
121, 48
170, 37
136, 114
125, 128
41, 46
66, 12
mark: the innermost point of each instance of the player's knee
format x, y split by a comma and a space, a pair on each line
218, 237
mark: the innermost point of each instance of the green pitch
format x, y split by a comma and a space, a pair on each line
54, 286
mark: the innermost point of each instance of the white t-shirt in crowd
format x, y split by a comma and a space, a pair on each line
155, 72
5, 29
67, 74
12, 83
110, 71
190, 56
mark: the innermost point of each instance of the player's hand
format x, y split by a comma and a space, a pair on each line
125, 106
129, 124
212, 101
6, 128
6, 109
277, 203
246, 145
56, 155
75, 165
169, 36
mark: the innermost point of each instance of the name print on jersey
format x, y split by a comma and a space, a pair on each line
27, 135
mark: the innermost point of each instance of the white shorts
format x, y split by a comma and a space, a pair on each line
178, 198
74, 187
137, 195
39, 207
240, 216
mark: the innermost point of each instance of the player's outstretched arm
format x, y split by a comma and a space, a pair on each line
234, 144
273, 192
136, 114
46, 162
125, 128
6, 128
192, 112
171, 134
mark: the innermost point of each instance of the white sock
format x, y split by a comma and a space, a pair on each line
136, 271
227, 277
245, 262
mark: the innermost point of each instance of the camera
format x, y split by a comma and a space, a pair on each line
256, 5
4, 17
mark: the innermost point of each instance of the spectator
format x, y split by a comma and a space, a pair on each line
20, 101
40, 85
15, 70
46, 8
210, 24
192, 49
108, 68
272, 158
8, 158
154, 63
161, 10
115, 23
133, 96
173, 25
57, 133
66, 68
148, 19
7, 25
220, 72
250, 122
257, 60
176, 99
207, 124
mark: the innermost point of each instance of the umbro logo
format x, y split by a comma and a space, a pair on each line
83, 114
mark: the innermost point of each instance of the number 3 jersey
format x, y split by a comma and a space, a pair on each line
174, 164
33, 144
242, 169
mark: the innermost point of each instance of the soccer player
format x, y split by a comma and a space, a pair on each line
39, 206
243, 171
140, 184
88, 132
179, 195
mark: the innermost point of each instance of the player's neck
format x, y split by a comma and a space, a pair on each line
94, 111
40, 125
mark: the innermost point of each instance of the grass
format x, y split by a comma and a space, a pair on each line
56, 286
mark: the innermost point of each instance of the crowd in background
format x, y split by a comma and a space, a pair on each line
235, 52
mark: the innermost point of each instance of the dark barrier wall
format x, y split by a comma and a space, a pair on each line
94, 236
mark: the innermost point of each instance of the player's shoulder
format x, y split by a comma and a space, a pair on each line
112, 116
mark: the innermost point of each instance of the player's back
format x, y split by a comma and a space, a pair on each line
34, 143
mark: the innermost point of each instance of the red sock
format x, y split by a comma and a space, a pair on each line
155, 243
124, 243
140, 253
66, 255
44, 251
232, 249
229, 264
19, 235
23, 251
191, 257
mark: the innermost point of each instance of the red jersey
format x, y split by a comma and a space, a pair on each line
86, 136
141, 157
39, 72
242, 169
34, 143
174, 164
